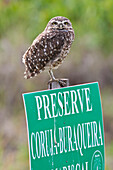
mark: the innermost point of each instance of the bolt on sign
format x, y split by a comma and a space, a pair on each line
65, 128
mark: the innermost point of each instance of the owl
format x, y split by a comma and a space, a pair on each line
50, 48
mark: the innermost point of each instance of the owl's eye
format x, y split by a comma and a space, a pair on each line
66, 23
54, 23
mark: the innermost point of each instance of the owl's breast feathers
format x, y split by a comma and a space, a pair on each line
48, 50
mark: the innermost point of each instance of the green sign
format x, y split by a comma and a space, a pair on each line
65, 128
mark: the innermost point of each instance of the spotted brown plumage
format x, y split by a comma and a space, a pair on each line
50, 48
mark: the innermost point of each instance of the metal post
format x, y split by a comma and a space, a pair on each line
58, 84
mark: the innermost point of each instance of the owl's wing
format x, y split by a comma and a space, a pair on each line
44, 49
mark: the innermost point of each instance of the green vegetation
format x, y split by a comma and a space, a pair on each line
88, 17
90, 59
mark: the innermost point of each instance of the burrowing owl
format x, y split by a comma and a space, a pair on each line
50, 48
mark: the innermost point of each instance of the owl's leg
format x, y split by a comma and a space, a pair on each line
51, 75
61, 83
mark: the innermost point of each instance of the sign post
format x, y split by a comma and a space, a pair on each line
65, 128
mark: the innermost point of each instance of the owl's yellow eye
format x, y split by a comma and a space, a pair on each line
66, 23
54, 23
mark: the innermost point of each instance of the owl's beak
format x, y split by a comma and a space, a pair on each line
60, 26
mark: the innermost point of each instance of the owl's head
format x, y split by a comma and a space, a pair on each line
59, 23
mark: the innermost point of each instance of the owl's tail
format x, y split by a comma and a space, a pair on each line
28, 74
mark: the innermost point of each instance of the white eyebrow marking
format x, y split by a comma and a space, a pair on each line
59, 22
65, 21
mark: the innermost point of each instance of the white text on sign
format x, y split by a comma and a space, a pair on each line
59, 105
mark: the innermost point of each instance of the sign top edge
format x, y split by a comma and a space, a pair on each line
96, 82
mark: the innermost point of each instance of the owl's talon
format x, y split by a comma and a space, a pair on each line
60, 82
53, 80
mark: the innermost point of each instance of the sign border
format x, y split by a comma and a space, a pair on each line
95, 82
